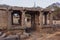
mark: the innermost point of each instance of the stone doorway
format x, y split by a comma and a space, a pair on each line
31, 20
16, 18
45, 18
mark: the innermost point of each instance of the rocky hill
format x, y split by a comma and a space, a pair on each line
56, 7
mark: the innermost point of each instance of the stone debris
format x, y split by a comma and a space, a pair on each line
31, 36
3, 35
0, 33
25, 35
12, 37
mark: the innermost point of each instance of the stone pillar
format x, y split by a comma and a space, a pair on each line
33, 21
0, 19
51, 18
9, 19
37, 22
23, 19
41, 19
48, 18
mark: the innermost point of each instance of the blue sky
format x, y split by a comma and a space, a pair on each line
29, 3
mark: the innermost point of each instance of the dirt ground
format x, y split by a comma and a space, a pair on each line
37, 36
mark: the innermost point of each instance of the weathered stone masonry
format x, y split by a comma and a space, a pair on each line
35, 21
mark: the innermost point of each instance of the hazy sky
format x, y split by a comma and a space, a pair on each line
29, 3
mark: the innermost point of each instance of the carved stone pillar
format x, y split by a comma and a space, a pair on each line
0, 19
23, 18
41, 19
37, 22
48, 18
51, 18
9, 19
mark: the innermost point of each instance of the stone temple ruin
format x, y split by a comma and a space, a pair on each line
14, 20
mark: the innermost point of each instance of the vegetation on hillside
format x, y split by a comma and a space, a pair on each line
56, 14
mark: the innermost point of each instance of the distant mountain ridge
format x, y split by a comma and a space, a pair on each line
54, 5
4, 5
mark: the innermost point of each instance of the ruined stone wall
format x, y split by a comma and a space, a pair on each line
3, 19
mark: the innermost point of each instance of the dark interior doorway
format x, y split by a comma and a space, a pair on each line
32, 19
16, 17
45, 18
